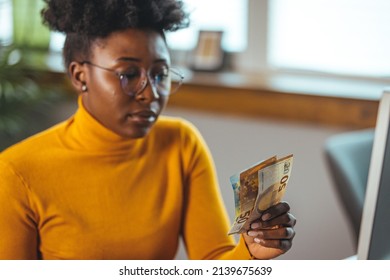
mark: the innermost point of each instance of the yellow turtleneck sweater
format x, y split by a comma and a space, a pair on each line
79, 191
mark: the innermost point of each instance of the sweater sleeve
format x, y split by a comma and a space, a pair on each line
18, 232
206, 222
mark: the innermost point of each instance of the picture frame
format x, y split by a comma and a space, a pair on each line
208, 54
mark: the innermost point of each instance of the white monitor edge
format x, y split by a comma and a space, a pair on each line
374, 176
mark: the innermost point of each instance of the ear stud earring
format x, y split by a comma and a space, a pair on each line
84, 88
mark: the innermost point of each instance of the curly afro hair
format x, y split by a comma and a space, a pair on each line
85, 20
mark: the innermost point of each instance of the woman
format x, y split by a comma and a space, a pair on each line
117, 180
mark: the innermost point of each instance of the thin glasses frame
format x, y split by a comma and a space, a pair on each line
161, 89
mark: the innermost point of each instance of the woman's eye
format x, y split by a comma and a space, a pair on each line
160, 76
130, 75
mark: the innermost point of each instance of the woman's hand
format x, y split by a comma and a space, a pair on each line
272, 234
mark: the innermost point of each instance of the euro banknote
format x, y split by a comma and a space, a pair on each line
258, 188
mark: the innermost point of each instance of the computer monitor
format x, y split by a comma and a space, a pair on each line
374, 237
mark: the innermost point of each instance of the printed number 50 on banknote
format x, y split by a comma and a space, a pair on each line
258, 188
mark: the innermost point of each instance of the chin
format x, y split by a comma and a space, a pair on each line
135, 133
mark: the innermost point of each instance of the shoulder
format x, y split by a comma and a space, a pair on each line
32, 147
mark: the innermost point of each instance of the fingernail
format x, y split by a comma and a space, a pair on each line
289, 232
257, 240
255, 225
252, 233
265, 217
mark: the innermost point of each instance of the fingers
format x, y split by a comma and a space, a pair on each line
276, 233
277, 215
276, 210
281, 244
279, 238
287, 220
275, 228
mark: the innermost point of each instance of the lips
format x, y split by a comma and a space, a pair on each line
143, 117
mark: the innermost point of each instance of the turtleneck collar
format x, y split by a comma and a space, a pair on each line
84, 132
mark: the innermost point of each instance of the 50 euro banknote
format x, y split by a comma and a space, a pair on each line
258, 188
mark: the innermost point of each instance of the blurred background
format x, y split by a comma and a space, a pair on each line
283, 77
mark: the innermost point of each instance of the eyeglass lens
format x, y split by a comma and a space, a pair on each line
164, 81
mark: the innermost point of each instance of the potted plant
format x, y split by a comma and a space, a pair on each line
25, 104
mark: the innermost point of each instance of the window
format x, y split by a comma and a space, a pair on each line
347, 37
5, 22
229, 16
336, 36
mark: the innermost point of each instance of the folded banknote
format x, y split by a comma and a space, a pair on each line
258, 188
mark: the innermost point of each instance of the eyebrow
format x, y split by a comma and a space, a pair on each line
128, 59
159, 60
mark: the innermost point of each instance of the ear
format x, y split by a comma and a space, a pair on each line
78, 76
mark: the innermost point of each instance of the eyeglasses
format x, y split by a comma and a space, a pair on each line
164, 80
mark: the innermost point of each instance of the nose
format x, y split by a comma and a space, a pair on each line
148, 91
